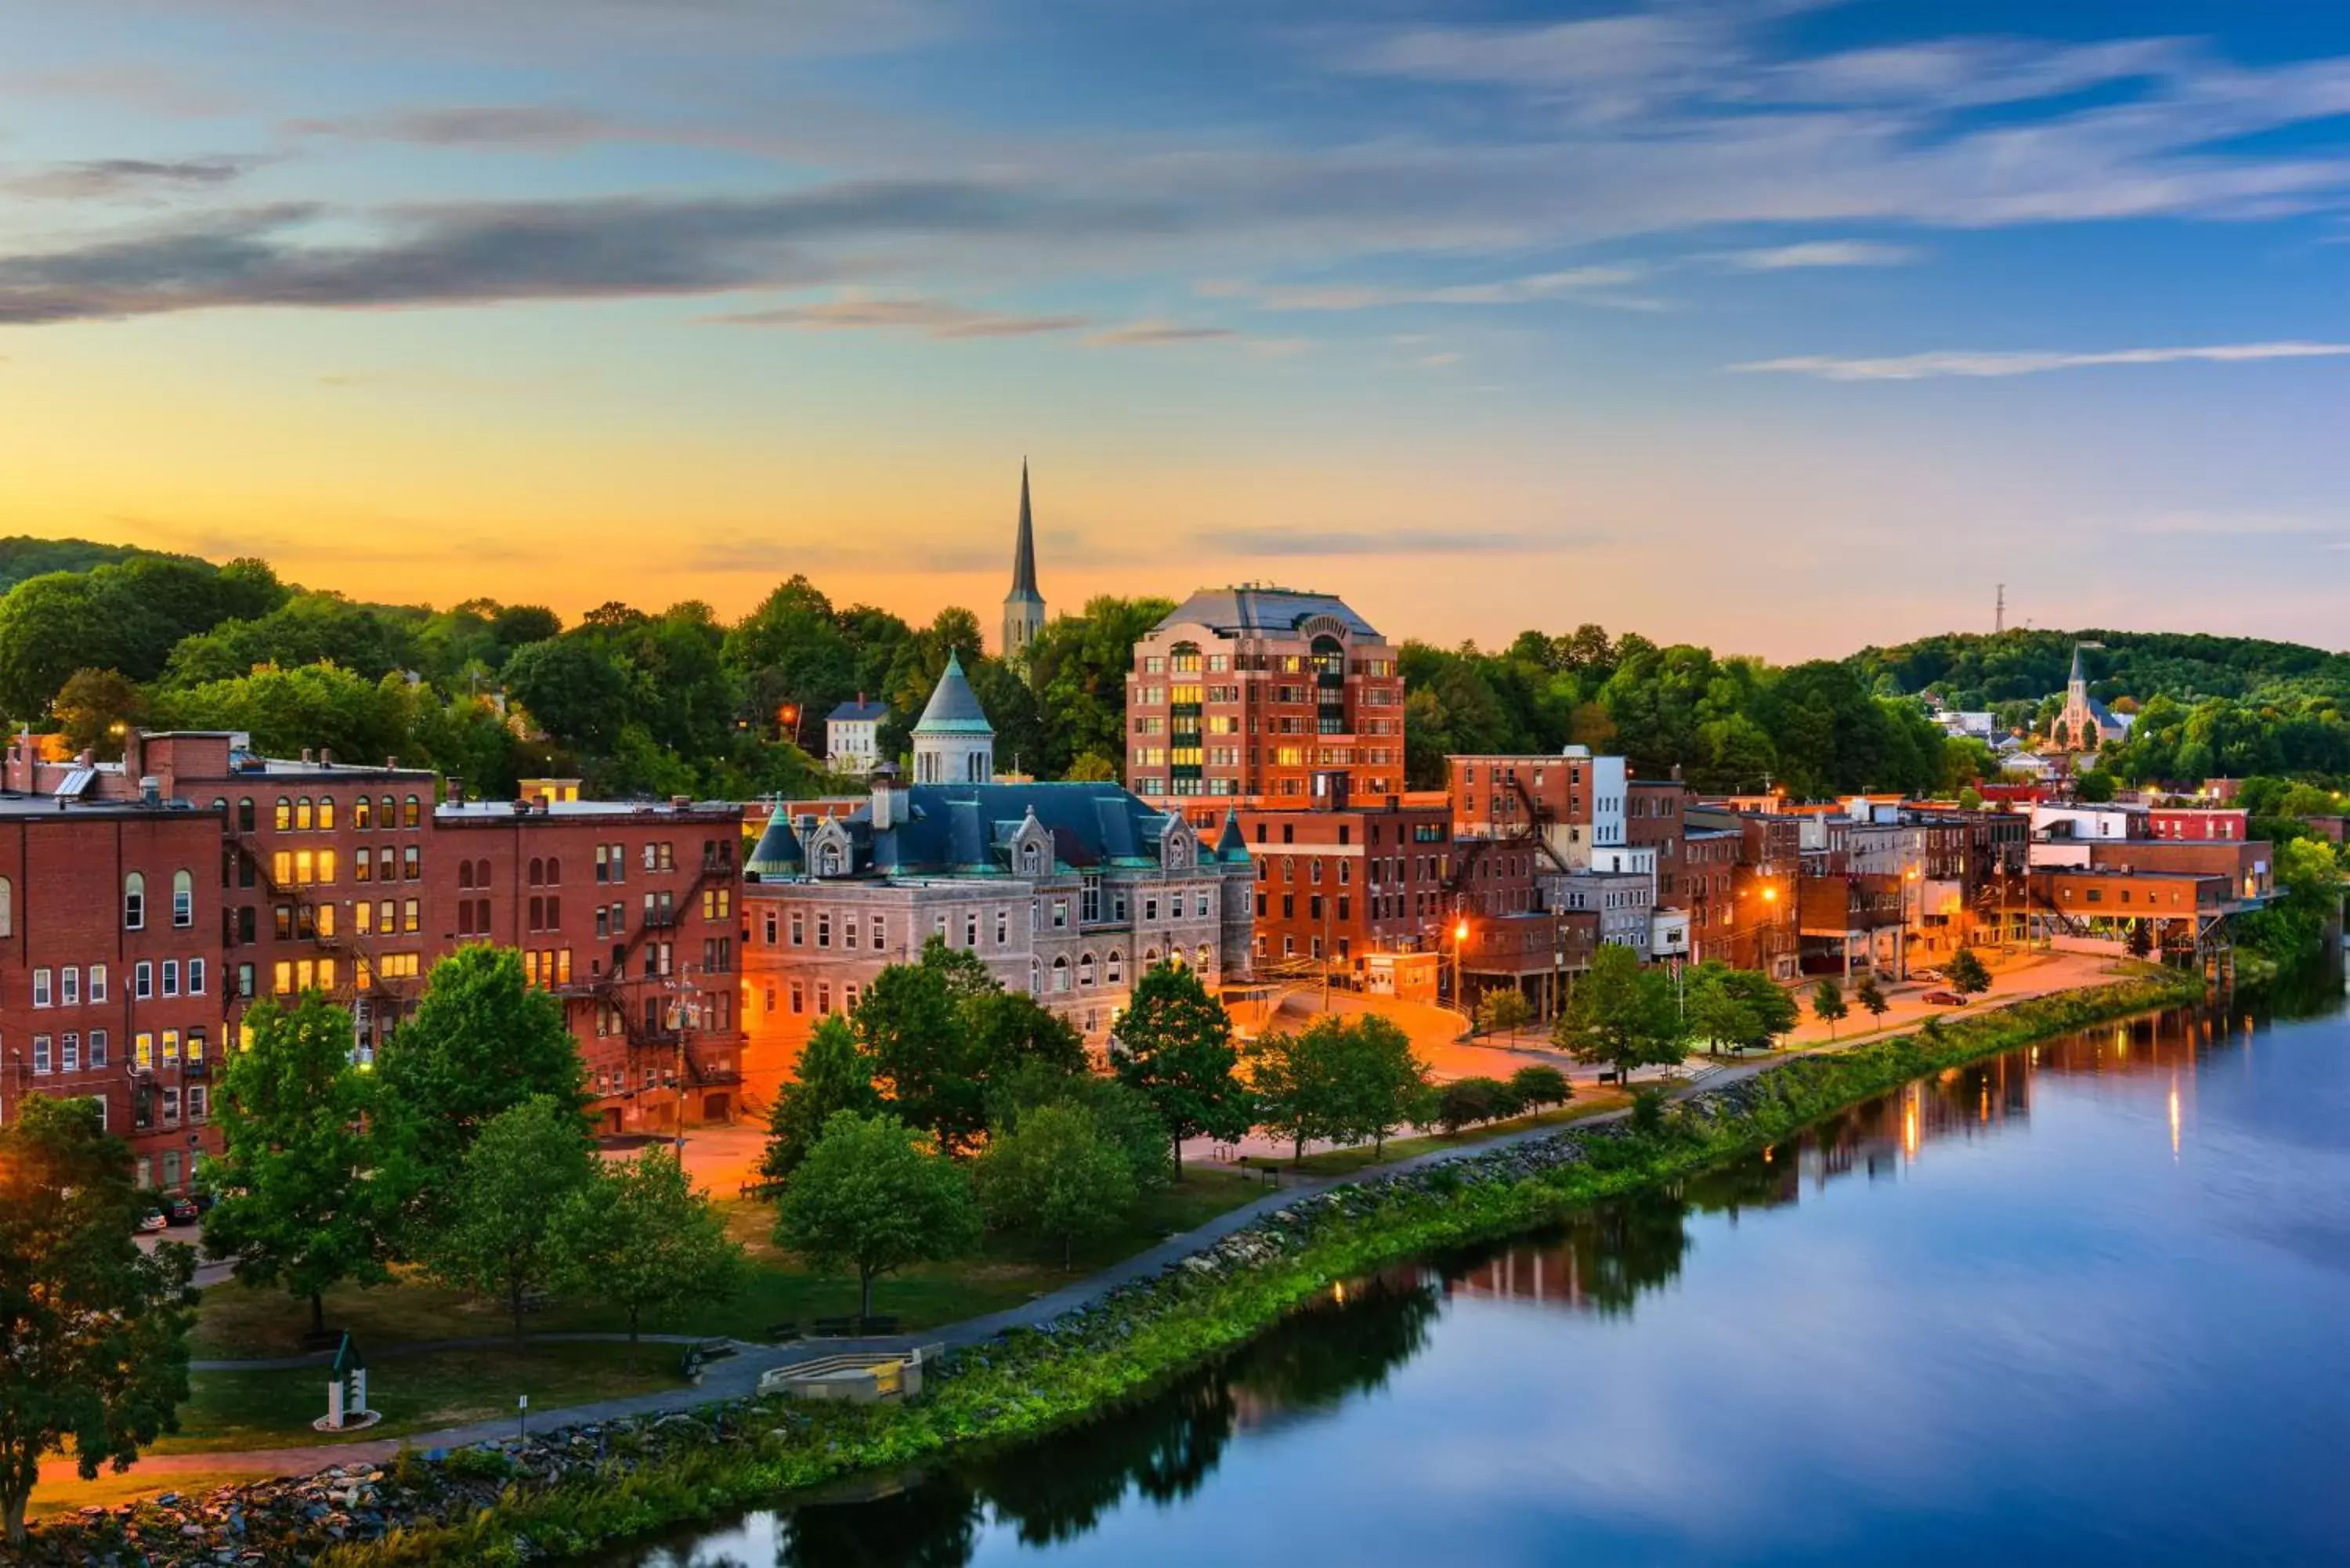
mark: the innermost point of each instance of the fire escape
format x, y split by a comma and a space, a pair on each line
618, 991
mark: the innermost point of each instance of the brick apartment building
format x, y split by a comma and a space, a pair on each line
1338, 882
1250, 691
352, 881
111, 986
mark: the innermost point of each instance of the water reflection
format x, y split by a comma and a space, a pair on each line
1601, 1264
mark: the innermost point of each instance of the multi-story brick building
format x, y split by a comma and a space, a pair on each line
1251, 691
1068, 892
349, 879
1577, 802
1336, 883
2198, 823
110, 977
627, 911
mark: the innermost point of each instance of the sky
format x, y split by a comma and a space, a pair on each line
1783, 325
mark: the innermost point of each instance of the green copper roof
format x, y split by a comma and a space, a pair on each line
953, 708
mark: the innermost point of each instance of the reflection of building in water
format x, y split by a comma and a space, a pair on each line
1601, 1260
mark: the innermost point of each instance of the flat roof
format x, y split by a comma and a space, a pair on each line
54, 808
459, 813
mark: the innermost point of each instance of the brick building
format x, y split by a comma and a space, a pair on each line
1574, 799
1336, 883
111, 986
2198, 824
350, 880
627, 911
1250, 691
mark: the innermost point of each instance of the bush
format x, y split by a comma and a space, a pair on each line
1465, 1102
1649, 1112
1538, 1086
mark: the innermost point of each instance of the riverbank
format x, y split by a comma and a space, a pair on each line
579, 1489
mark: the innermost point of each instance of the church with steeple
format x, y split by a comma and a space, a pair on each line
1024, 606
2085, 723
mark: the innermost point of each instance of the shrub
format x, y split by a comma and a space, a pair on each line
1537, 1086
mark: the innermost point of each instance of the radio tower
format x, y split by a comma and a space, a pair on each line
1999, 612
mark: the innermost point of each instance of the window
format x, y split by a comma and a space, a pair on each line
799, 997
554, 871
1060, 915
326, 866
881, 933
1002, 926
410, 813
1085, 969
170, 976
7, 907
970, 927
1114, 968
799, 929
41, 1065
1061, 974
407, 921
134, 902
97, 983
196, 965
302, 815
283, 817
361, 813
97, 1048
410, 862
385, 864
142, 980
245, 814
363, 917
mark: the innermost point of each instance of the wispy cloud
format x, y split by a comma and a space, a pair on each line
100, 178
1585, 283
932, 317
1818, 254
526, 125
1156, 335
1974, 363
1303, 543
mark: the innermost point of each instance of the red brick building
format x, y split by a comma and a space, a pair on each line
349, 879
629, 912
1341, 882
2198, 824
111, 977
1248, 692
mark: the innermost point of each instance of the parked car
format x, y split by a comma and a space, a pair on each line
183, 1211
1945, 999
152, 1219
1928, 975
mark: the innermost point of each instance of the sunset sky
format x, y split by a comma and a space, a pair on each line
1780, 326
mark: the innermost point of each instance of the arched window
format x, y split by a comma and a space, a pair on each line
1206, 956
1085, 969
285, 817
465, 873
554, 871
134, 902
1114, 970
183, 898
481, 873
410, 814
537, 871
1061, 973
7, 907
1030, 858
302, 819
327, 814
832, 860
362, 813
389, 817
1150, 957
245, 814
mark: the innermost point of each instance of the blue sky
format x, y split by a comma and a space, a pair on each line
1775, 324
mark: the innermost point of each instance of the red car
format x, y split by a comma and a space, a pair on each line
1945, 999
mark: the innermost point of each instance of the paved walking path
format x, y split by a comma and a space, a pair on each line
427, 1347
737, 1375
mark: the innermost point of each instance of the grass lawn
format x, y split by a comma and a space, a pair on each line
230, 1410
1346, 1161
235, 1322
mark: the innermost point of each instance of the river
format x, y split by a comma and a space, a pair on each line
2088, 1303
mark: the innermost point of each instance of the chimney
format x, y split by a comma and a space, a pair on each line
326, 756
892, 807
308, 756
456, 790
390, 764
677, 801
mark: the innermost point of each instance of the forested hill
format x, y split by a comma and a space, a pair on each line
22, 556
1969, 670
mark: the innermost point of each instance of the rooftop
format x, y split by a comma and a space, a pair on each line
1259, 607
54, 808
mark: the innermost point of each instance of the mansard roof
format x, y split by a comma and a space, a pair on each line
1251, 608
974, 830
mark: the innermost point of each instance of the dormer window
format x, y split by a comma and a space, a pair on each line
1031, 857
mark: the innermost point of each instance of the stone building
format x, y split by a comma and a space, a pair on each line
1067, 891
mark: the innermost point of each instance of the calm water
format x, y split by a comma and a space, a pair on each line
2087, 1304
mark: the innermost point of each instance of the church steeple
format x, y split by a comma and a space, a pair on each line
1024, 606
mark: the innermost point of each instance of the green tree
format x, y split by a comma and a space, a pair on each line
95, 708
1540, 1085
519, 1185
1124, 1114
1719, 1013
1464, 1102
1829, 1004
870, 1199
482, 1041
295, 1205
640, 1237
1288, 1088
1871, 997
942, 1035
1377, 1081
1057, 1173
1620, 1015
1966, 974
1504, 1010
289, 710
832, 1075
1175, 1044
93, 1331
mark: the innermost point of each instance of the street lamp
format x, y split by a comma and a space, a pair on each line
1460, 938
